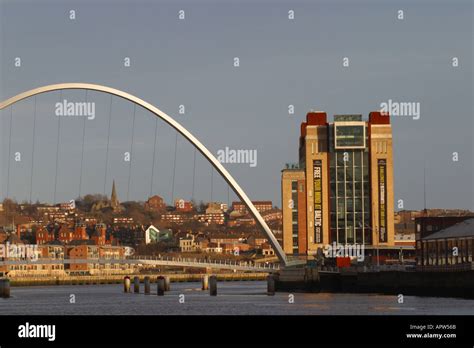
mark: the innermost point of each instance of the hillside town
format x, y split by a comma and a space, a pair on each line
98, 227
95, 226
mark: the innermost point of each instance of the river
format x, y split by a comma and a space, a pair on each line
234, 298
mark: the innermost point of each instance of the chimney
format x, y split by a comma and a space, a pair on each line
378, 117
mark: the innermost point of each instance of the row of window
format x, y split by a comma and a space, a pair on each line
347, 157
349, 174
350, 197
352, 235
294, 215
349, 189
350, 205
449, 252
353, 219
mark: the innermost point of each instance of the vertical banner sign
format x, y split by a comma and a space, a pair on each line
318, 201
382, 170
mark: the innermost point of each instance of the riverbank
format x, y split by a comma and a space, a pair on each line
118, 279
415, 283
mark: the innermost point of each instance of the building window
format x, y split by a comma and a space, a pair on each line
294, 213
294, 186
350, 196
295, 216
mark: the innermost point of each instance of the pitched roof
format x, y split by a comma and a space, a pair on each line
462, 229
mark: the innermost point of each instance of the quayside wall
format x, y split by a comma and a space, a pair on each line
416, 283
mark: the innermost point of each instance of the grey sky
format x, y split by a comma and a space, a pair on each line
190, 62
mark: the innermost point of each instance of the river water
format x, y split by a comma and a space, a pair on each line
241, 298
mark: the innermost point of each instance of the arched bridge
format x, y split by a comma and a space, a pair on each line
156, 261
178, 127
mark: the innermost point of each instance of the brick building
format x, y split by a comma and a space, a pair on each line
343, 189
155, 203
261, 206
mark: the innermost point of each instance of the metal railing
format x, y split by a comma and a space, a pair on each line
459, 267
206, 262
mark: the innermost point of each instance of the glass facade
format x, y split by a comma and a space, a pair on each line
350, 136
294, 213
350, 196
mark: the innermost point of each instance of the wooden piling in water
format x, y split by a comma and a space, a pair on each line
126, 284
213, 285
5, 288
167, 283
136, 285
160, 286
147, 285
205, 282
270, 285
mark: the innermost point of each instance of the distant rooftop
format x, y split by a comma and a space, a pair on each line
461, 229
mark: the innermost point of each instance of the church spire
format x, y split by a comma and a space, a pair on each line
114, 202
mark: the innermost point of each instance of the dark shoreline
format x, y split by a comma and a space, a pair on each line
426, 284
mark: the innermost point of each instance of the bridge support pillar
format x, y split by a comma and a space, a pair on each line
147, 285
270, 285
312, 279
167, 283
161, 286
136, 285
213, 285
205, 282
4, 288
126, 284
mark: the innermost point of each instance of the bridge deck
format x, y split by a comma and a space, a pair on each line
154, 261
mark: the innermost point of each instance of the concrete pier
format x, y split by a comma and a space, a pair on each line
147, 285
160, 286
270, 285
126, 284
205, 282
413, 283
167, 283
136, 285
4, 288
213, 285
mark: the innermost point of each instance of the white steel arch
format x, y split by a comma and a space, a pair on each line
183, 131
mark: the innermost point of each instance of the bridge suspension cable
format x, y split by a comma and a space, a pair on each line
131, 151
82, 150
194, 173
33, 151
212, 182
57, 152
9, 151
154, 157
170, 121
174, 167
108, 145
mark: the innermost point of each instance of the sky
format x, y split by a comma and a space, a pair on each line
190, 62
